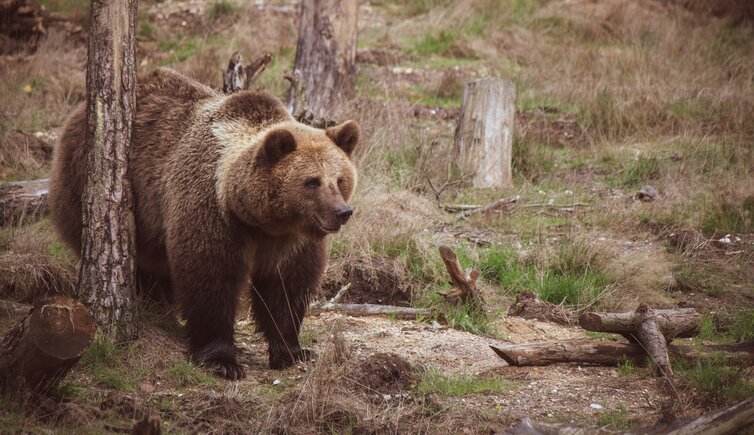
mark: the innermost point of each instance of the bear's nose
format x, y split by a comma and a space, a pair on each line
343, 213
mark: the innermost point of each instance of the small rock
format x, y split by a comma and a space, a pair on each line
146, 387
276, 382
595, 406
568, 193
647, 194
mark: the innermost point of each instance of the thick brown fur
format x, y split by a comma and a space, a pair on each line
227, 189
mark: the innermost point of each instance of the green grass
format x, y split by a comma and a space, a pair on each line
742, 328
573, 277
467, 318
179, 49
187, 374
716, 381
627, 368
104, 362
439, 43
730, 218
458, 385
614, 420
222, 7
637, 173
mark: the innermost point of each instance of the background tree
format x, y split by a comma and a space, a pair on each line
325, 54
107, 273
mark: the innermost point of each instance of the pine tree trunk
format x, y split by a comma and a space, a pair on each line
107, 273
326, 54
484, 137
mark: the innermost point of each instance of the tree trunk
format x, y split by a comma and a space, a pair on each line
326, 54
484, 136
39, 351
106, 276
611, 353
22, 202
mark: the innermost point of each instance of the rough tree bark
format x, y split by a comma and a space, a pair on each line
326, 54
484, 136
107, 273
38, 352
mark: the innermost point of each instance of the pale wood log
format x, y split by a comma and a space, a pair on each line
39, 351
464, 285
497, 206
611, 353
484, 136
650, 335
678, 322
326, 54
361, 310
731, 420
107, 273
23, 201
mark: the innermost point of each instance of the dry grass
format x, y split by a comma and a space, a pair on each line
33, 263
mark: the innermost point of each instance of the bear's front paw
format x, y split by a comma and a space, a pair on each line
285, 358
220, 359
226, 369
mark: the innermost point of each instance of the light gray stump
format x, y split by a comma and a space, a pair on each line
484, 136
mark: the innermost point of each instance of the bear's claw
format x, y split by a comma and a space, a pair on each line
286, 358
225, 369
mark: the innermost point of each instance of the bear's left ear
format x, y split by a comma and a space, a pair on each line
345, 136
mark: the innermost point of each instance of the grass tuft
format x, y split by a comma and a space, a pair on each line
459, 384
186, 374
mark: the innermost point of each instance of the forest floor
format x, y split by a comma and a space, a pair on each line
612, 96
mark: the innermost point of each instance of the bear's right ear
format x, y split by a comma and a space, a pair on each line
276, 145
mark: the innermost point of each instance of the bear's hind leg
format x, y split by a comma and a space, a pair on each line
279, 301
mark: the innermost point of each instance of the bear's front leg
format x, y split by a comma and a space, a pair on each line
279, 301
206, 279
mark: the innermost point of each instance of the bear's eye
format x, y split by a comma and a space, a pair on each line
313, 182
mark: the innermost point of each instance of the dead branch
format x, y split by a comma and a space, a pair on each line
464, 284
360, 310
237, 77
463, 211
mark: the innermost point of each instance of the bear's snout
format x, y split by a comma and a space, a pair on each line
343, 213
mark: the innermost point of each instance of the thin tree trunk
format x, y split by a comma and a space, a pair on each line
106, 276
484, 136
326, 54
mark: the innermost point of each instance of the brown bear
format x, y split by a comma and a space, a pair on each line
226, 189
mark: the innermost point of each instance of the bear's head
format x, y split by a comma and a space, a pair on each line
295, 180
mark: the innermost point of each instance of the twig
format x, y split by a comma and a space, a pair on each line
340, 293
497, 205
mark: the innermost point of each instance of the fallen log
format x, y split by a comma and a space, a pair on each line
39, 351
611, 353
465, 210
654, 329
731, 420
679, 322
23, 201
360, 310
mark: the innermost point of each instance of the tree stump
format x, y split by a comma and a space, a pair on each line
38, 352
464, 283
23, 201
484, 136
107, 272
238, 77
326, 54
652, 328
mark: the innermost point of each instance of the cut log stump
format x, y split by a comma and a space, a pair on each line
23, 201
653, 329
38, 352
484, 136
